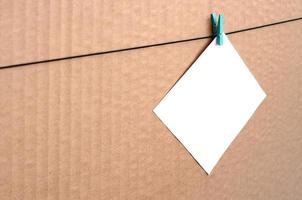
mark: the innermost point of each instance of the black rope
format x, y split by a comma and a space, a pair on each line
142, 47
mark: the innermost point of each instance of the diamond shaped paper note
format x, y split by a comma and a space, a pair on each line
210, 104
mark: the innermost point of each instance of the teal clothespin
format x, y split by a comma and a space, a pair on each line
214, 23
220, 30
217, 26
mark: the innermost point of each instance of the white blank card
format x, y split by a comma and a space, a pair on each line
211, 103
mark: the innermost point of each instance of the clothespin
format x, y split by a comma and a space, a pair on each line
220, 30
217, 27
214, 23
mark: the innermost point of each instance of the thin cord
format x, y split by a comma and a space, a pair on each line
142, 47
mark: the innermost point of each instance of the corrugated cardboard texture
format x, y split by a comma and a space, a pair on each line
38, 30
84, 128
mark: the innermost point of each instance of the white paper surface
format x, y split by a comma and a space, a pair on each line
211, 103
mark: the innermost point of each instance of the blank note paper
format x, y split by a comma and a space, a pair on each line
210, 104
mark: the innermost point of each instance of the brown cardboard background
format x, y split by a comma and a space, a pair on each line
38, 30
84, 128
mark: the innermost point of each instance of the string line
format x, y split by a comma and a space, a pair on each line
143, 46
